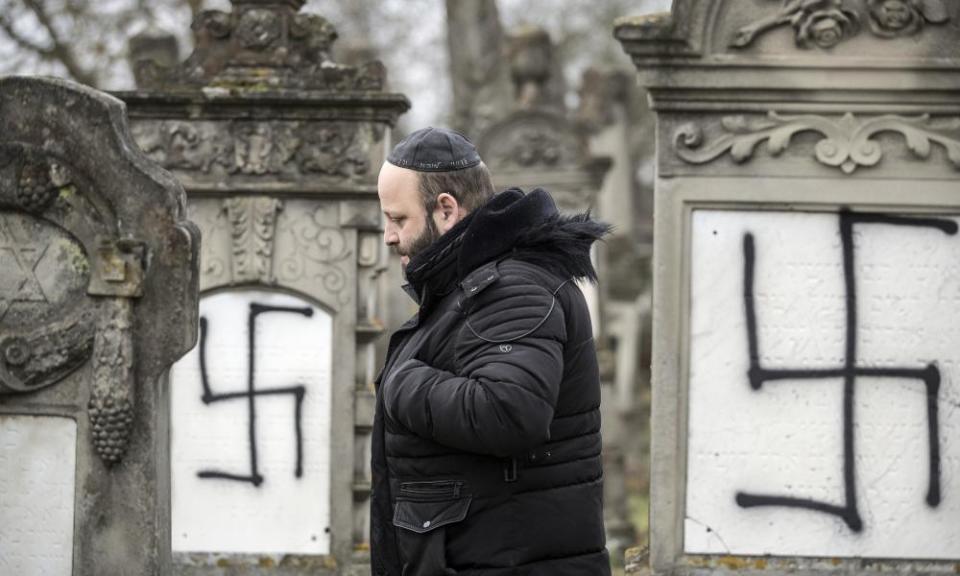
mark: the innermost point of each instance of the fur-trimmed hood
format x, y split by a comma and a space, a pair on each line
530, 228
524, 226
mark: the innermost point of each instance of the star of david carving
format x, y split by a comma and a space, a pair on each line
19, 261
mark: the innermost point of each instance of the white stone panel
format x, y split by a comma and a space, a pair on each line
38, 467
237, 508
787, 437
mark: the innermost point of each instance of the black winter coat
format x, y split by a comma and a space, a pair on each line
486, 445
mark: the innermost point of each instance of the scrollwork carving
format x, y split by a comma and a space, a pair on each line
33, 360
847, 143
213, 223
320, 253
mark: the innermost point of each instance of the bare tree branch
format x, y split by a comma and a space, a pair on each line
59, 50
20, 39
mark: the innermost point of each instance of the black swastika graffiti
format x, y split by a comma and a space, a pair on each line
849, 372
252, 393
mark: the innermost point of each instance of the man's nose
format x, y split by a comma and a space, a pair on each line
390, 236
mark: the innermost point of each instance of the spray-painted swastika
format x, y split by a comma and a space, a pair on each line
252, 393
849, 371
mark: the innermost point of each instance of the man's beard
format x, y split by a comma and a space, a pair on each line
420, 243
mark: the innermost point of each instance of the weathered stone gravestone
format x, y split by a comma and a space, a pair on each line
806, 366
98, 296
278, 148
536, 144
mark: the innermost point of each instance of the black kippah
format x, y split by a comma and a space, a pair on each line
434, 150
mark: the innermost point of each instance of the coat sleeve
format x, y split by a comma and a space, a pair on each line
501, 401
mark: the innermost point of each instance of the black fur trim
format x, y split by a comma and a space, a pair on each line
529, 227
561, 245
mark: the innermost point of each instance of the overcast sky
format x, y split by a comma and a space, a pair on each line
410, 33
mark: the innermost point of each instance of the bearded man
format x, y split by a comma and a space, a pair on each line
486, 442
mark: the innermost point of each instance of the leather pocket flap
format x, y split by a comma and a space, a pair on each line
422, 517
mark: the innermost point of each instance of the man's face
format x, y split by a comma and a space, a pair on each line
408, 229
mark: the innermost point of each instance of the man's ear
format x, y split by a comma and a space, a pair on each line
447, 213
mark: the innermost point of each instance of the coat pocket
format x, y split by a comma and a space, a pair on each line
422, 512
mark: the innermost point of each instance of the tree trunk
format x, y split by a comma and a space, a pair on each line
482, 91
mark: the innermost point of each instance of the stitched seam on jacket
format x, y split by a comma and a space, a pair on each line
594, 480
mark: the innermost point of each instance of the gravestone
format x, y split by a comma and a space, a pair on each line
98, 297
806, 353
278, 148
536, 144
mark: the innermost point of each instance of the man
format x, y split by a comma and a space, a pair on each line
486, 444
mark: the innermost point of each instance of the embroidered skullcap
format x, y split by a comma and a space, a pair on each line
435, 150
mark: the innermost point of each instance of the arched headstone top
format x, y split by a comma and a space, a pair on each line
532, 140
542, 148
72, 179
721, 37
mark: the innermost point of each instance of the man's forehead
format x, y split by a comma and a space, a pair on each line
397, 185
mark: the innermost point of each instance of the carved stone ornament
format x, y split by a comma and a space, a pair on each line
334, 149
319, 254
55, 255
847, 143
253, 222
258, 29
826, 23
45, 329
262, 45
71, 264
533, 140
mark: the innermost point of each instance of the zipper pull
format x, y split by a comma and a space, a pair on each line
510, 470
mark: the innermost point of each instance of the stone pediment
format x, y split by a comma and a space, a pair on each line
533, 140
542, 148
263, 46
728, 35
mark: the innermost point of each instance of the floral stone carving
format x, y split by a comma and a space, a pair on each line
847, 142
892, 18
826, 23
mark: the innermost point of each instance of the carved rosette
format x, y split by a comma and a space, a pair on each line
826, 23
846, 143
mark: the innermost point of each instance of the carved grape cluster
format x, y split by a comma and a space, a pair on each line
35, 191
111, 422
